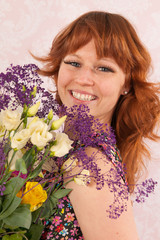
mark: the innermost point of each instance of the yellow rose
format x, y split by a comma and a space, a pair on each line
33, 195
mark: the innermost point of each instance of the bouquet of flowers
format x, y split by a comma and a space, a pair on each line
34, 155
26, 143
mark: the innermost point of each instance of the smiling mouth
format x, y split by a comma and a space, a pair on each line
82, 96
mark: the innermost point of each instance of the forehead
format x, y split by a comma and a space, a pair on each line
89, 51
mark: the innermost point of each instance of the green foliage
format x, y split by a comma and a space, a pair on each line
15, 236
22, 215
35, 232
14, 185
9, 206
17, 222
21, 166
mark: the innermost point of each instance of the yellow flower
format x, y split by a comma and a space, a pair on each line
33, 195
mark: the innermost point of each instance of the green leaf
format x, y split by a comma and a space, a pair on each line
60, 193
6, 237
21, 166
35, 232
47, 209
35, 214
1, 224
11, 208
16, 236
1, 201
36, 171
53, 200
21, 215
29, 157
2, 230
50, 205
5, 177
7, 147
14, 185
9, 227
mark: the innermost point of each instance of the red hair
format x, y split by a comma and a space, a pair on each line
136, 113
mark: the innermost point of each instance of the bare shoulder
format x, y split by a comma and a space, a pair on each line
97, 210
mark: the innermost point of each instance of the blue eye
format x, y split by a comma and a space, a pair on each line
105, 69
72, 63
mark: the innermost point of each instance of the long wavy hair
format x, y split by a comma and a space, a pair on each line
137, 112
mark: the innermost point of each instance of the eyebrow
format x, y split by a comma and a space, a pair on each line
99, 59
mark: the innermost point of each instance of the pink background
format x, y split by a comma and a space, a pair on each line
32, 24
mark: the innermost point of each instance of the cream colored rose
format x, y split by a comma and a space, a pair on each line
17, 155
40, 134
82, 178
10, 119
20, 138
69, 164
31, 121
2, 131
62, 146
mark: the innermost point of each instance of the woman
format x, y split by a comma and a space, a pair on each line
98, 60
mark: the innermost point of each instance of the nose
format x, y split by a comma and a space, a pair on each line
85, 77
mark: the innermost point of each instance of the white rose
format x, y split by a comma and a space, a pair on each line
39, 134
20, 138
62, 146
83, 178
2, 131
10, 119
17, 155
69, 164
30, 121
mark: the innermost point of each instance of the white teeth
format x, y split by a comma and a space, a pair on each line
83, 97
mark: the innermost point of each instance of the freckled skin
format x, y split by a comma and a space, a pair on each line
84, 73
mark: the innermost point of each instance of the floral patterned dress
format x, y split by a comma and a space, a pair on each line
63, 225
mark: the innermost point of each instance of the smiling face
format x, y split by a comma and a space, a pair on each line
83, 78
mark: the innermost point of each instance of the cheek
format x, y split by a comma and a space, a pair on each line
108, 89
63, 79
111, 90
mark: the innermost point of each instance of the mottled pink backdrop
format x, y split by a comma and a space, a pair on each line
30, 25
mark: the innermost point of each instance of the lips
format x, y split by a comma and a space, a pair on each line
83, 96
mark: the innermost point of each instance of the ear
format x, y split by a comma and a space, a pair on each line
125, 90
